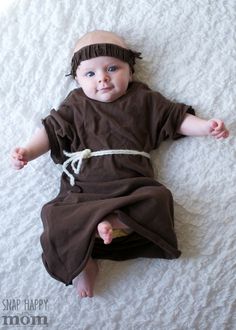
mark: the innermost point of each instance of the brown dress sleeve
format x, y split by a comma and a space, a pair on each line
166, 118
61, 132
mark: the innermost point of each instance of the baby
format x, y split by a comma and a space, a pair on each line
111, 185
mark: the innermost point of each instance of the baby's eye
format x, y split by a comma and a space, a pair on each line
90, 74
112, 68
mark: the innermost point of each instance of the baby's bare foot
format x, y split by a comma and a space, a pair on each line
84, 282
104, 229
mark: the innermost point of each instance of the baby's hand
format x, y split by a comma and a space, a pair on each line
217, 129
19, 158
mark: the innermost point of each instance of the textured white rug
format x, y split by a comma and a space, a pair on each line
188, 50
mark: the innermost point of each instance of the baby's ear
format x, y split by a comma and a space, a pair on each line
130, 76
77, 80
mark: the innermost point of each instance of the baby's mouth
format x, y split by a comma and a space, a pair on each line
105, 89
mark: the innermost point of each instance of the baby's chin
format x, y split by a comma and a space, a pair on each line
106, 97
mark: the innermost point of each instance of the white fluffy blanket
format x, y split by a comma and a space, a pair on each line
188, 50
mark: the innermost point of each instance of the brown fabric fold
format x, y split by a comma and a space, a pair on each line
96, 50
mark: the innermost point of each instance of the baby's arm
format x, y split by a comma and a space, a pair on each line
37, 146
195, 126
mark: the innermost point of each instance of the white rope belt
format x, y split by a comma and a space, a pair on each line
77, 157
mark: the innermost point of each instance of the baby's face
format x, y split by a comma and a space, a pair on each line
104, 78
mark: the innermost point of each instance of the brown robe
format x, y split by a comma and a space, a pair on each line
121, 184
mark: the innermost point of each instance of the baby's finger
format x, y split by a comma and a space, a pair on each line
15, 155
213, 124
223, 134
219, 125
214, 133
226, 134
17, 164
15, 152
18, 153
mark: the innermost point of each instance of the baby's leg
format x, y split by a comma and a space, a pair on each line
84, 282
105, 227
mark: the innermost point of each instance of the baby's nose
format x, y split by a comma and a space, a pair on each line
103, 77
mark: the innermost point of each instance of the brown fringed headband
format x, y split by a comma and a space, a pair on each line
96, 50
